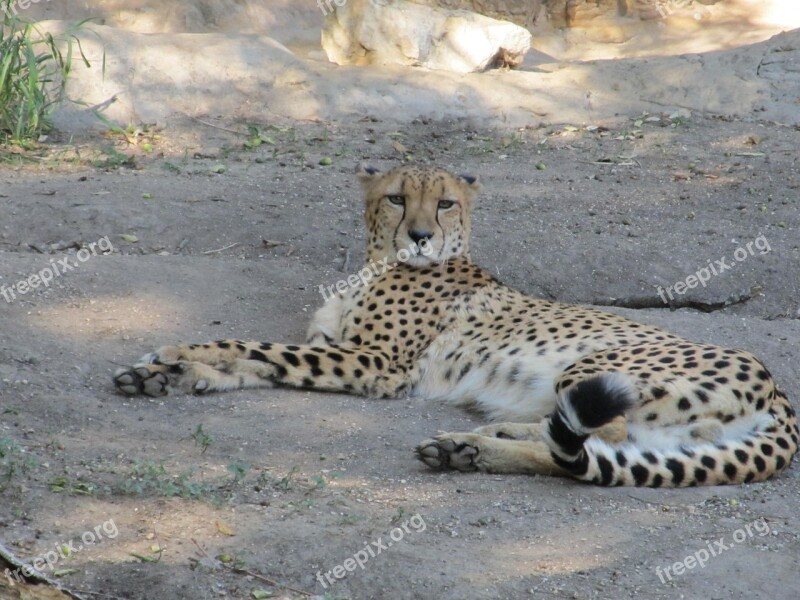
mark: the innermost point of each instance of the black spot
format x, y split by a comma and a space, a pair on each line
650, 457
676, 468
256, 355
779, 463
223, 345
606, 470
640, 474
684, 404
708, 462
658, 481
338, 371
742, 456
621, 460
364, 360
700, 474
658, 392
730, 470
291, 359
760, 464
335, 357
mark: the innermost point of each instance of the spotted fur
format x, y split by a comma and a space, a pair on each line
593, 395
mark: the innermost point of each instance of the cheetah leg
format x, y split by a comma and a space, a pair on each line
614, 432
532, 432
474, 452
193, 377
229, 365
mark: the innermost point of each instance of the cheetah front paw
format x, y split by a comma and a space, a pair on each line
158, 379
450, 451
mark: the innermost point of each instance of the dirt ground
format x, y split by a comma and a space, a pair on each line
209, 495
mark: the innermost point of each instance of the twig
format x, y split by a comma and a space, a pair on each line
612, 163
251, 573
103, 595
228, 247
216, 126
692, 108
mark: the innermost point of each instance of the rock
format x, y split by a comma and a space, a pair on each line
363, 32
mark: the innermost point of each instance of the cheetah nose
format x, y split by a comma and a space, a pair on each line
417, 236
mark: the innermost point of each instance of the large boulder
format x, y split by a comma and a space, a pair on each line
363, 32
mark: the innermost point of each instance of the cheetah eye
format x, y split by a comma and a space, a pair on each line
445, 204
397, 200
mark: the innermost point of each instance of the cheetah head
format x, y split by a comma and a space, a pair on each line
420, 216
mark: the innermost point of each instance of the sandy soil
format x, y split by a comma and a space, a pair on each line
213, 240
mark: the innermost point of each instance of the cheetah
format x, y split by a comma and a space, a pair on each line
571, 391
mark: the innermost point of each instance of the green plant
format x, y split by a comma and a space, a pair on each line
202, 439
13, 461
239, 471
33, 74
150, 478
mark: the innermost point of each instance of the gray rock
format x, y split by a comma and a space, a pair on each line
363, 32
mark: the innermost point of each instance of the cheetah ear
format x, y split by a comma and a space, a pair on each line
473, 182
366, 173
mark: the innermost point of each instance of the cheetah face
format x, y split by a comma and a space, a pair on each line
419, 213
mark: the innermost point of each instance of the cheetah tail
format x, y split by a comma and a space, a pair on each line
740, 458
584, 409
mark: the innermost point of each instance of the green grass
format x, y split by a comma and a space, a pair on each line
13, 461
33, 75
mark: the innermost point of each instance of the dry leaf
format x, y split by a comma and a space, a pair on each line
399, 147
224, 528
